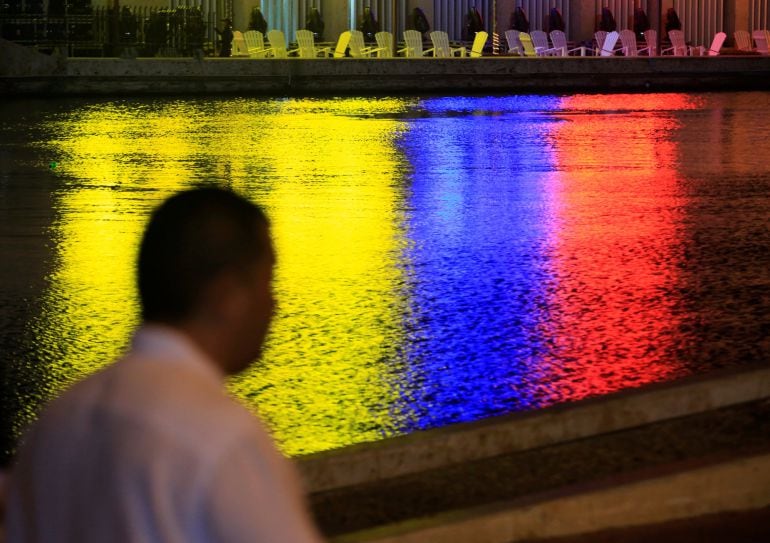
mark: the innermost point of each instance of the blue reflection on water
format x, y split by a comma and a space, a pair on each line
477, 257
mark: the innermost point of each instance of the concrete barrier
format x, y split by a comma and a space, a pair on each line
37, 74
434, 449
733, 485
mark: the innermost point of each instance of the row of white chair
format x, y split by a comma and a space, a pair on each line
532, 44
535, 44
252, 44
441, 47
743, 41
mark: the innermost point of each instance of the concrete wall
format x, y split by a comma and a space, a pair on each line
335, 15
740, 15
302, 77
241, 14
728, 487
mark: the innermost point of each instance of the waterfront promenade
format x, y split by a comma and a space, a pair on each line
26, 72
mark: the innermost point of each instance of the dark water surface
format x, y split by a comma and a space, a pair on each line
440, 259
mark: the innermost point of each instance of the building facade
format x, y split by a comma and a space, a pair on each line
700, 18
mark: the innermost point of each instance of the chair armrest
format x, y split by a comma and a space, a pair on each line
674, 49
370, 50
643, 49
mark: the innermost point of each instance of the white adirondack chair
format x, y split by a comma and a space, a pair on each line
477, 49
599, 37
607, 46
761, 38
743, 40
651, 40
559, 42
239, 45
441, 47
514, 45
630, 49
384, 44
255, 44
278, 44
413, 44
358, 48
714, 48
307, 48
540, 41
678, 46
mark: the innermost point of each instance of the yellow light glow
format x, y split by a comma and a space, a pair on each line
335, 207
326, 171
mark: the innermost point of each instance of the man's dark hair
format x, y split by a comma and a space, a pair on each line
192, 238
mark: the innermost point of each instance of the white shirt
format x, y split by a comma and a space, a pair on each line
152, 449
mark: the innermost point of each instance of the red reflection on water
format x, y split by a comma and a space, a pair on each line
614, 311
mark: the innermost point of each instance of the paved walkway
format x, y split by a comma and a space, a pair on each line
743, 527
664, 445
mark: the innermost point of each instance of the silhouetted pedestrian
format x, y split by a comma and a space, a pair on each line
226, 35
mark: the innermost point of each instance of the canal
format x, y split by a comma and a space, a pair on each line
440, 259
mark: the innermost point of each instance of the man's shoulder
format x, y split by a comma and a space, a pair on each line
138, 397
177, 396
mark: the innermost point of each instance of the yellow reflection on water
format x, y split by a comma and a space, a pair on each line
326, 171
336, 221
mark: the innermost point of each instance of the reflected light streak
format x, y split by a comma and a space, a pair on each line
615, 312
327, 174
326, 380
474, 262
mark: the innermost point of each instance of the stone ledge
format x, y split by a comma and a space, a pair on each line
738, 484
26, 72
435, 449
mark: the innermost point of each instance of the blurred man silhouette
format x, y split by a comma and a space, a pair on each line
226, 49
151, 448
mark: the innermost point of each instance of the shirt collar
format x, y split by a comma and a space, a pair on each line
167, 343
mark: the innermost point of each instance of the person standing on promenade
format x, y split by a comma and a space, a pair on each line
152, 449
226, 49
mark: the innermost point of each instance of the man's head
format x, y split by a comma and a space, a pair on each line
205, 266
